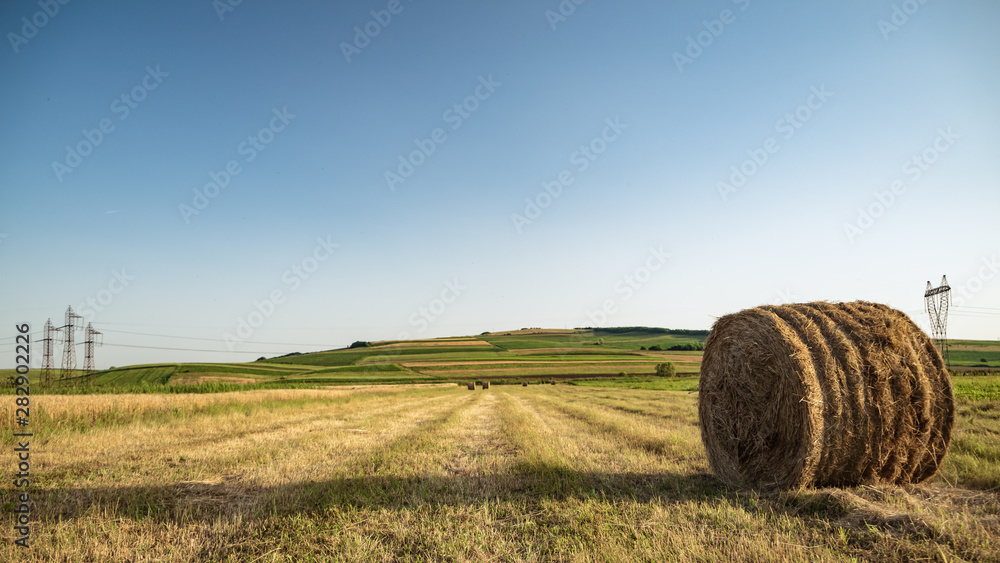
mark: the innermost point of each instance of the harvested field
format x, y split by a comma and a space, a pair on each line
567, 363
602, 370
519, 473
196, 379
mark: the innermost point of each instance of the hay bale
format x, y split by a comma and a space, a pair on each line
823, 394
524, 384
486, 385
472, 386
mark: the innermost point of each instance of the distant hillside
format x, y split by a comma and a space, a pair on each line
520, 355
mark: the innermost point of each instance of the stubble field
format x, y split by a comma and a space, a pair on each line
545, 472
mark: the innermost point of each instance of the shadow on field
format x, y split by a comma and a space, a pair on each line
526, 484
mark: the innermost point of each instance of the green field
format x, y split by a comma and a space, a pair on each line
974, 358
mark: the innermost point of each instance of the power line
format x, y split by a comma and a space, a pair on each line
37, 333
187, 349
286, 344
976, 315
104, 323
208, 339
978, 310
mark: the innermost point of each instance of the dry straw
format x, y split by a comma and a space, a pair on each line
472, 386
823, 394
486, 385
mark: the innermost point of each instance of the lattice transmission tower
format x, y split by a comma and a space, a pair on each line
89, 340
48, 347
936, 301
69, 346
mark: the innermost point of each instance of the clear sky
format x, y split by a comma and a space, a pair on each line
273, 177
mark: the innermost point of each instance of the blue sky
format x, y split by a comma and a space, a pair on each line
712, 157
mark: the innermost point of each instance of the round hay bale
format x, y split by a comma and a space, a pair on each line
472, 386
823, 394
486, 385
524, 384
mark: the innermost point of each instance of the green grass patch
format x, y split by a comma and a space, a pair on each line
977, 387
137, 375
241, 369
380, 368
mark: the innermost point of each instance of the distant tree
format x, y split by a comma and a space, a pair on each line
360, 344
984, 360
666, 370
622, 374
261, 359
642, 347
484, 333
655, 348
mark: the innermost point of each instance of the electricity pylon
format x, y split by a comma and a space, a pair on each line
89, 341
69, 350
936, 301
48, 340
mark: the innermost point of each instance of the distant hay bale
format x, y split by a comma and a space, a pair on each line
823, 394
524, 384
486, 385
472, 386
